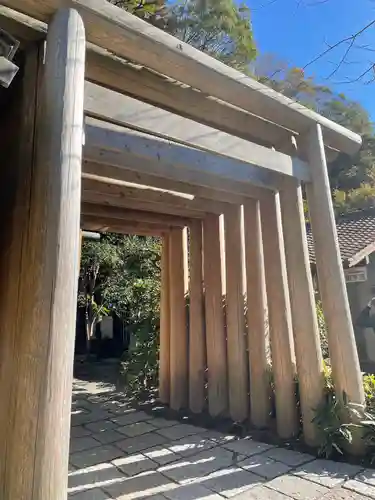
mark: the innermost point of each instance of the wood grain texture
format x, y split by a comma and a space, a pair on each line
197, 340
133, 215
108, 225
121, 203
36, 456
256, 316
127, 36
305, 327
165, 325
244, 162
215, 333
341, 342
236, 340
131, 191
112, 107
216, 194
179, 334
16, 146
280, 324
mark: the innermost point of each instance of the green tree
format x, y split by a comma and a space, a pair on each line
352, 178
99, 260
153, 11
221, 28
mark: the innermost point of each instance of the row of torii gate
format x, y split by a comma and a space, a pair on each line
173, 139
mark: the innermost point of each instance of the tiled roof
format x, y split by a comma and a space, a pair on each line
356, 234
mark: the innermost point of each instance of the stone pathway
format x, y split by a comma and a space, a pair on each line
120, 453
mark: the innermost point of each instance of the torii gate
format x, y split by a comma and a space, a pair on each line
238, 153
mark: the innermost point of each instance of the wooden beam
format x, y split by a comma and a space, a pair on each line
133, 215
305, 325
197, 339
165, 325
37, 445
133, 191
118, 202
256, 316
133, 39
280, 324
111, 144
236, 345
179, 339
24, 28
119, 77
341, 342
215, 333
108, 225
118, 173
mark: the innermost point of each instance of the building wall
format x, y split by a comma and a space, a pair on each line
360, 295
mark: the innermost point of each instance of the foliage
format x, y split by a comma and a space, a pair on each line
339, 421
352, 179
221, 28
152, 11
121, 275
322, 329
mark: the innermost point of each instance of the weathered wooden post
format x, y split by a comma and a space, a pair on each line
179, 337
256, 315
34, 463
305, 327
280, 324
236, 342
341, 343
165, 324
197, 341
215, 333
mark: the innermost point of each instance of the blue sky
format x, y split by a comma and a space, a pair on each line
296, 31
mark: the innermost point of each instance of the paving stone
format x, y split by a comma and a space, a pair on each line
135, 464
261, 493
297, 488
130, 417
231, 481
327, 473
218, 437
195, 468
94, 494
139, 487
179, 431
79, 431
359, 487
342, 494
83, 443
264, 466
101, 426
155, 497
247, 447
161, 423
139, 443
367, 476
136, 429
94, 456
289, 457
89, 417
191, 492
93, 477
190, 445
161, 454
107, 437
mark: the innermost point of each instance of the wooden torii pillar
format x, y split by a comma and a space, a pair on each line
341, 343
37, 369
